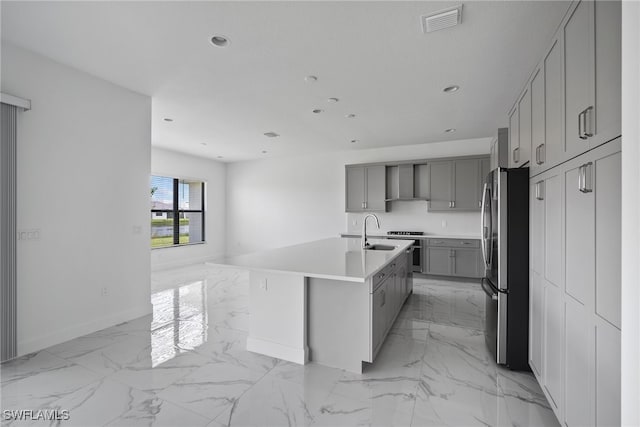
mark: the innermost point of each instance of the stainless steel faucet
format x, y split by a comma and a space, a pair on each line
365, 243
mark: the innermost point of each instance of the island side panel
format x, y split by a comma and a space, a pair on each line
278, 316
339, 323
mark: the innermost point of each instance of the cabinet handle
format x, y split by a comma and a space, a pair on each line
452, 204
393, 265
380, 276
586, 114
580, 133
480, 204
466, 243
585, 175
539, 156
384, 298
452, 253
539, 190
516, 155
362, 205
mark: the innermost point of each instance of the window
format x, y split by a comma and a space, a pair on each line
177, 211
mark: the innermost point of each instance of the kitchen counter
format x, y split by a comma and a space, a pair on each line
333, 258
420, 237
327, 299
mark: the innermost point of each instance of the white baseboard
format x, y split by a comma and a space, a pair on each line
80, 329
268, 348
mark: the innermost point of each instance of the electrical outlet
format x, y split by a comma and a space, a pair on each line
355, 222
444, 224
263, 284
32, 234
104, 291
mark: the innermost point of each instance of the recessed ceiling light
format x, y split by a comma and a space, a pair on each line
203, 143
450, 89
167, 119
353, 141
219, 157
311, 79
332, 100
264, 151
350, 116
271, 135
451, 130
317, 111
220, 41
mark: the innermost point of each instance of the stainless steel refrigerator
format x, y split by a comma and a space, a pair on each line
505, 250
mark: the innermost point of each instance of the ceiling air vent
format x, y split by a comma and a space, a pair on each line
271, 135
442, 19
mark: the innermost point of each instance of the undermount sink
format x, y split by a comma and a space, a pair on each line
378, 247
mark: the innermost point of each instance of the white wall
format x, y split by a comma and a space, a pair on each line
177, 165
83, 181
630, 214
284, 201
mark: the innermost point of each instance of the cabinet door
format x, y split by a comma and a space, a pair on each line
514, 135
485, 168
524, 129
608, 71
375, 188
378, 314
553, 209
537, 122
579, 364
553, 151
580, 235
439, 261
536, 323
465, 262
440, 185
553, 343
355, 187
579, 77
607, 374
608, 201
466, 173
536, 230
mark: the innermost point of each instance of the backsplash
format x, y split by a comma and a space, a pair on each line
413, 216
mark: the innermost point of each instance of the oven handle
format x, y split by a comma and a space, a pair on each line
490, 293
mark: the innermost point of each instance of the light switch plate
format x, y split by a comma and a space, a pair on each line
263, 284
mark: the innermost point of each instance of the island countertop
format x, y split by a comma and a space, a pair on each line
333, 258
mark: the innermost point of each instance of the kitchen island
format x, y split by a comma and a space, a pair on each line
328, 301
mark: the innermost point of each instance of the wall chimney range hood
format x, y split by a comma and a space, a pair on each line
401, 182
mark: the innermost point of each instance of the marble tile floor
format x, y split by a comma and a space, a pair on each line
186, 365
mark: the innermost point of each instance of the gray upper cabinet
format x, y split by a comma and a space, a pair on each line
457, 184
466, 175
579, 79
524, 129
514, 137
365, 188
552, 152
574, 95
440, 185
537, 121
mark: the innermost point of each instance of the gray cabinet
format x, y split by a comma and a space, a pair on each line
552, 152
537, 121
456, 185
453, 257
365, 188
465, 188
579, 79
575, 286
440, 185
390, 291
438, 261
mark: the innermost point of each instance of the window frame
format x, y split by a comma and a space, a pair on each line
176, 211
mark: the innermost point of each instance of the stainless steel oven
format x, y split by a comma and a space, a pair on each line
417, 245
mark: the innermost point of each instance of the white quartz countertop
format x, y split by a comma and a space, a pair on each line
334, 258
420, 237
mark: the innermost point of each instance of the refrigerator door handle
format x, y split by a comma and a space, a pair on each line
487, 290
486, 233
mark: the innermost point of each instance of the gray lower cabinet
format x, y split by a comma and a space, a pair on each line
574, 347
365, 188
453, 257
